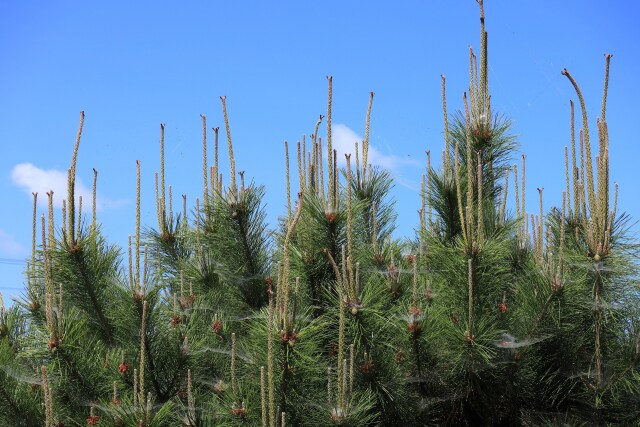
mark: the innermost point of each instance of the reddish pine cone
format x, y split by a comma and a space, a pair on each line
176, 320
92, 421
216, 327
413, 327
241, 412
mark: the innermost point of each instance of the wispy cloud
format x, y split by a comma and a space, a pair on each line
344, 139
10, 247
32, 179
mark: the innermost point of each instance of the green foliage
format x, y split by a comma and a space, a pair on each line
331, 320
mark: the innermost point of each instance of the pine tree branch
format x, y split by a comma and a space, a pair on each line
88, 285
286, 374
7, 398
88, 388
152, 369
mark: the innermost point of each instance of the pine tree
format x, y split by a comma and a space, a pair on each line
489, 317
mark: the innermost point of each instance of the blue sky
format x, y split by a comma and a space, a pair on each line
133, 65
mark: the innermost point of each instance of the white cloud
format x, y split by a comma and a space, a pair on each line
10, 247
33, 179
344, 139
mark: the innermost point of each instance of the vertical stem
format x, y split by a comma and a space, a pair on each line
447, 151
566, 172
47, 398
137, 259
234, 384
470, 183
587, 146
480, 228
301, 169
429, 186
286, 267
184, 210
143, 328
365, 142
64, 216
574, 166
607, 57
205, 180
598, 334
216, 131
336, 200
516, 190
351, 367
344, 398
470, 302
358, 177
163, 210
34, 221
135, 391
79, 224
71, 184
270, 374
71, 212
94, 206
459, 192
59, 314
263, 398
286, 158
52, 236
503, 207
541, 226
159, 214
190, 402
329, 144
131, 283
232, 162
423, 208
524, 205
170, 216
415, 281
374, 238
350, 227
